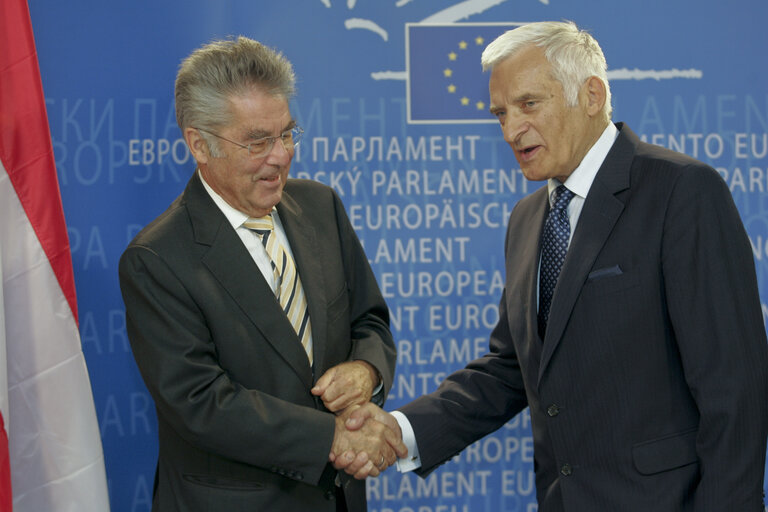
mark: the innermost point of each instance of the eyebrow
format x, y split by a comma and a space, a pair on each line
260, 134
527, 97
521, 99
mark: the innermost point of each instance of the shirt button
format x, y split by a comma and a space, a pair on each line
553, 410
566, 470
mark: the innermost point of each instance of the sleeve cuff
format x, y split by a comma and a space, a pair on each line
412, 461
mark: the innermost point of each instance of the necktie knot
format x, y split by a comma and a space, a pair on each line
259, 223
262, 226
563, 197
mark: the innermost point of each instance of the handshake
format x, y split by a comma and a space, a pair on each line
366, 441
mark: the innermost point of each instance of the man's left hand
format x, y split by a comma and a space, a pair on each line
346, 384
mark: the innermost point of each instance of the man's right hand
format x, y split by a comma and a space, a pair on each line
366, 441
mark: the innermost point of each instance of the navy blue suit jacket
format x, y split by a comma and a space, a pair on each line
650, 390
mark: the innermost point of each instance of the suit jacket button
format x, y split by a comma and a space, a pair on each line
566, 470
553, 410
330, 495
298, 476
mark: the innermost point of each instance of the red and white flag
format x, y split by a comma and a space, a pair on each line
49, 435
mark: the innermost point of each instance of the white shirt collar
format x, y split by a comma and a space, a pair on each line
580, 180
234, 216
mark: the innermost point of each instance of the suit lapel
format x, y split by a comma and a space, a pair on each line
601, 210
229, 261
522, 265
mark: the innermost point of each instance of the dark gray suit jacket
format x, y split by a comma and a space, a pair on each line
238, 427
649, 391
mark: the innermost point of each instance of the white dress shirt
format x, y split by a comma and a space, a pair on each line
256, 248
251, 240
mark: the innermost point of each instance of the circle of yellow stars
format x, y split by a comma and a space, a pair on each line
448, 73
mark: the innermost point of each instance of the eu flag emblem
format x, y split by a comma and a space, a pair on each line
445, 79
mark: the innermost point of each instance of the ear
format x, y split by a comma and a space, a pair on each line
593, 94
197, 145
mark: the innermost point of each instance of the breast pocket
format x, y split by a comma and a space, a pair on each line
610, 279
338, 305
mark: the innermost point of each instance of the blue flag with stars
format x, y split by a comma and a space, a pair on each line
445, 79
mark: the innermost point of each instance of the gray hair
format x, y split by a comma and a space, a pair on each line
220, 69
574, 55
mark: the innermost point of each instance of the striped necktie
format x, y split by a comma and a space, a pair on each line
288, 291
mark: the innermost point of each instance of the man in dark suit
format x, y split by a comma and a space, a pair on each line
251, 309
644, 366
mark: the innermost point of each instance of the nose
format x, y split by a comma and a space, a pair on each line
279, 154
514, 128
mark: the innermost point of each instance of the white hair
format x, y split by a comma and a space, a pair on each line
573, 53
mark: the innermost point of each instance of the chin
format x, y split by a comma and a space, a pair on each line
273, 199
533, 175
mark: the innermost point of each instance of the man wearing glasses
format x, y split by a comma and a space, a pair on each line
252, 312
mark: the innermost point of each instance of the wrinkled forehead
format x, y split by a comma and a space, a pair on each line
521, 74
257, 113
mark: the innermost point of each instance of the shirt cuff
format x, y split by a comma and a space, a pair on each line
412, 460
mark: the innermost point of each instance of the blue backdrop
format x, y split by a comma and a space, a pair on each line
395, 115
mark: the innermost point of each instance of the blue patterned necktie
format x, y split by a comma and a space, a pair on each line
554, 245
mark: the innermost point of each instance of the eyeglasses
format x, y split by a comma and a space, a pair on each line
261, 147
